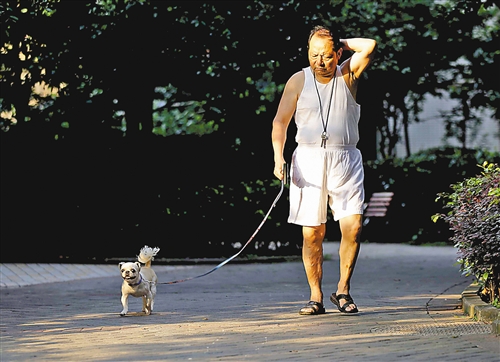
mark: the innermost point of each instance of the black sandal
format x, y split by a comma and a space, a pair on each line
312, 308
349, 302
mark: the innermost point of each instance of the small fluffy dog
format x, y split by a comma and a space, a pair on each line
139, 281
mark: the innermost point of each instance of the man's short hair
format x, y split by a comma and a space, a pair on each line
324, 32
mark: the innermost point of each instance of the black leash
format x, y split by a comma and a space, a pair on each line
283, 182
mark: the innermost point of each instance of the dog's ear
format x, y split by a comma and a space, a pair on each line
138, 265
120, 265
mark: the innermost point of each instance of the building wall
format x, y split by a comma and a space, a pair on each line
430, 131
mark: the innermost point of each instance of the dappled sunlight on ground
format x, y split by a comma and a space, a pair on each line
268, 329
246, 312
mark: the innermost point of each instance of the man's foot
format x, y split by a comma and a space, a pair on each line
347, 306
312, 308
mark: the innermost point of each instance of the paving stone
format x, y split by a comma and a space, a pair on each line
409, 301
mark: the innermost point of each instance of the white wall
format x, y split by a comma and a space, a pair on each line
430, 131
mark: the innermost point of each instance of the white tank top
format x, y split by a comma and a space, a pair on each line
344, 115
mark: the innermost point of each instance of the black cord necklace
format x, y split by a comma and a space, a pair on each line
324, 135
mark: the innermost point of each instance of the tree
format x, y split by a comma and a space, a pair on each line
468, 31
472, 78
131, 98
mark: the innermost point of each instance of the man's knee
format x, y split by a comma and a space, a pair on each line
351, 226
313, 234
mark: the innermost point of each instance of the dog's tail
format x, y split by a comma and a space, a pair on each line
147, 254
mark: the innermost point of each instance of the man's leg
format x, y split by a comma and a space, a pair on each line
350, 228
312, 257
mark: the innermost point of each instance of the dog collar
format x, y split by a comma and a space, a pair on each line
139, 282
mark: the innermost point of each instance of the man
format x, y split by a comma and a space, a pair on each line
326, 165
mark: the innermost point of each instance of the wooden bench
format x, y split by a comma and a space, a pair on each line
378, 204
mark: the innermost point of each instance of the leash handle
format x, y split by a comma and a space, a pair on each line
286, 174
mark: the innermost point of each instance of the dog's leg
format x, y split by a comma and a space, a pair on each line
147, 303
124, 304
144, 304
153, 295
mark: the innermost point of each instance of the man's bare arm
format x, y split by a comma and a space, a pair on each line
364, 50
286, 109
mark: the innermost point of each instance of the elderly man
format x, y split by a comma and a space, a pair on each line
326, 168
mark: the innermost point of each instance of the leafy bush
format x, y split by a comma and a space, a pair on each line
475, 221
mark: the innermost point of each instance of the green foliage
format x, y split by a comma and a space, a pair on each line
496, 303
404, 29
97, 44
474, 219
112, 7
132, 89
415, 182
180, 118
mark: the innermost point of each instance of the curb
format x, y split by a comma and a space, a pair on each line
474, 307
13, 275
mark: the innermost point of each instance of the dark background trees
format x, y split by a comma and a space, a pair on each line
132, 122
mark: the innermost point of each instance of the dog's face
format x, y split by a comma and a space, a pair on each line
130, 271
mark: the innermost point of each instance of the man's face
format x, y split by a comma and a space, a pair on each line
322, 58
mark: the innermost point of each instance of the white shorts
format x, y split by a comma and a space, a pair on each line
320, 176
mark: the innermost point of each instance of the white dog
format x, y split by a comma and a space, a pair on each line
139, 281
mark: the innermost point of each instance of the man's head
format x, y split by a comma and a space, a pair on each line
324, 52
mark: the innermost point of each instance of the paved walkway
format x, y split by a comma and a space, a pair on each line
408, 298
